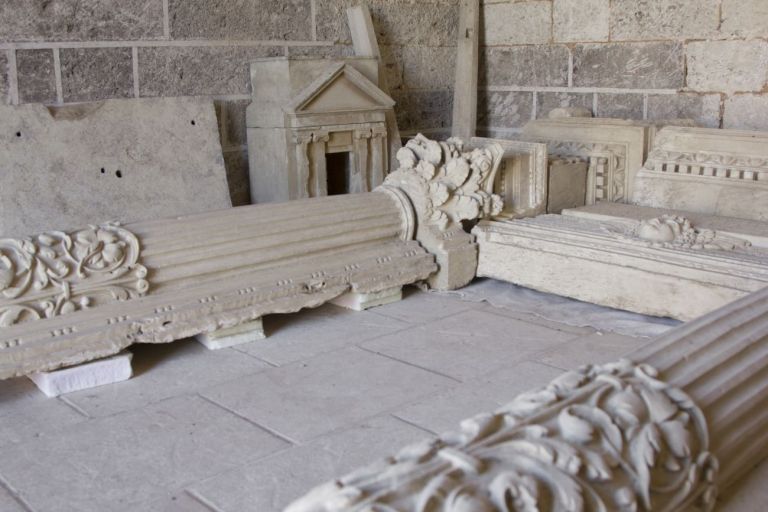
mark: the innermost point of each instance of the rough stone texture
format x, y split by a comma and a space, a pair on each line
622, 106
704, 109
428, 67
581, 20
629, 65
36, 76
4, 85
517, 23
392, 57
664, 19
535, 65
334, 51
548, 101
244, 19
234, 123
78, 20
96, 74
745, 18
236, 163
423, 109
746, 111
188, 71
730, 66
504, 109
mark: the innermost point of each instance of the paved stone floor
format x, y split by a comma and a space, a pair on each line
252, 427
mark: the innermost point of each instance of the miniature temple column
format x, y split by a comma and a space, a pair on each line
379, 152
302, 141
319, 173
659, 431
358, 181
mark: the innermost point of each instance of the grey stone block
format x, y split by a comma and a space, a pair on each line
186, 71
629, 65
392, 57
547, 101
620, 106
421, 110
746, 112
638, 20
36, 76
745, 18
702, 108
427, 67
729, 66
91, 74
581, 20
535, 65
81, 20
517, 23
498, 109
4, 85
236, 163
243, 19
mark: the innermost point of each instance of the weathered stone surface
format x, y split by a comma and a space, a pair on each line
4, 85
517, 22
730, 66
236, 163
664, 19
428, 67
746, 112
504, 109
423, 109
621, 106
548, 101
703, 109
77, 20
186, 71
392, 57
244, 19
36, 76
234, 123
581, 20
745, 18
91, 74
334, 51
629, 65
123, 159
535, 65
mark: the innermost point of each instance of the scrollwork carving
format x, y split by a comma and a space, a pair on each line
57, 273
604, 438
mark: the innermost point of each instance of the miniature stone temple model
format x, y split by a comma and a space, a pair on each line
316, 127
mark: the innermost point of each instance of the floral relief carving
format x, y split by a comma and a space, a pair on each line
674, 232
57, 273
604, 438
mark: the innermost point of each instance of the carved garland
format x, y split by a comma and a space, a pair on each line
605, 438
57, 273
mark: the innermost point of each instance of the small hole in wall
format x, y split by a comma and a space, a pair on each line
119, 174
103, 170
193, 122
18, 134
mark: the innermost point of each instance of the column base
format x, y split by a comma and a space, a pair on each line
362, 301
84, 376
225, 338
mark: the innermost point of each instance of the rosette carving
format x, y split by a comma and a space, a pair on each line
57, 273
604, 438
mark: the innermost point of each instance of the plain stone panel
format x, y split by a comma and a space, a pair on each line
428, 67
238, 178
243, 19
597, 348
702, 108
271, 484
80, 20
502, 109
746, 112
117, 462
36, 76
629, 65
664, 19
334, 390
745, 18
4, 85
620, 106
91, 74
517, 22
188, 71
581, 20
422, 110
534, 65
730, 66
548, 101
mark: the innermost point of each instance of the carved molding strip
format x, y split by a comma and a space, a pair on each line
57, 273
703, 163
604, 438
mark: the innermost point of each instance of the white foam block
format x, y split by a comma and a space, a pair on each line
85, 376
225, 338
363, 301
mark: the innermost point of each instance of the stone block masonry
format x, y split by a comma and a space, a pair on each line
76, 51
705, 60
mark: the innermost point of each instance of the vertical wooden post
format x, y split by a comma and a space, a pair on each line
465, 87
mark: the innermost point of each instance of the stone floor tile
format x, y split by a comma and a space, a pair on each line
310, 332
419, 307
468, 344
593, 349
270, 484
180, 501
117, 462
8, 503
26, 413
165, 371
533, 319
307, 399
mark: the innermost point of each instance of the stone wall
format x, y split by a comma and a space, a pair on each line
68, 51
637, 59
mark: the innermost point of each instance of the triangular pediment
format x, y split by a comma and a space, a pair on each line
340, 88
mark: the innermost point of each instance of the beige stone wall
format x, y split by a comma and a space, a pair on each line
638, 59
68, 51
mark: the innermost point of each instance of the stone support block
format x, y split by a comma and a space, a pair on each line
629, 65
89, 375
92, 74
225, 338
509, 23
729, 66
638, 20
746, 112
581, 20
534, 65
362, 301
36, 76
